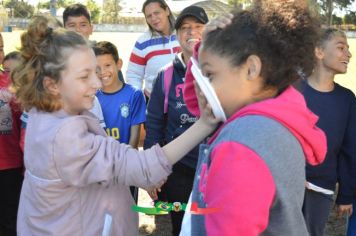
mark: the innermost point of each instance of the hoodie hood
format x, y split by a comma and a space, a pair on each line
290, 109
189, 95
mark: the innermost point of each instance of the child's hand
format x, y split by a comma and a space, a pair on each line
344, 210
218, 22
153, 193
206, 113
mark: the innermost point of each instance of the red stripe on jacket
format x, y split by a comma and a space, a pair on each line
161, 52
137, 59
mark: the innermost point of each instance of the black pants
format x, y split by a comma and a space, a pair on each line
177, 189
316, 210
134, 193
10, 184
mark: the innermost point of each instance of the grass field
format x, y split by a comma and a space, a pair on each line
125, 41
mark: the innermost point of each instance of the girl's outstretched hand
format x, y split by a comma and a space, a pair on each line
218, 22
206, 113
153, 193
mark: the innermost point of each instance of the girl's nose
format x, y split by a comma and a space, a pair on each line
96, 82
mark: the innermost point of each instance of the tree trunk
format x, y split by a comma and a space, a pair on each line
116, 10
52, 7
329, 13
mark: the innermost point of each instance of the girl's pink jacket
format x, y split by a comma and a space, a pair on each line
76, 180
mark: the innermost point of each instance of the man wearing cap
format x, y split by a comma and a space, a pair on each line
167, 115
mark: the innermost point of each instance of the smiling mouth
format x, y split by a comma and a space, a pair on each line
105, 78
192, 40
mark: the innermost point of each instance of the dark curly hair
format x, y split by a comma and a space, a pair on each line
44, 52
282, 33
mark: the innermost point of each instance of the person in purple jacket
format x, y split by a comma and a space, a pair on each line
77, 178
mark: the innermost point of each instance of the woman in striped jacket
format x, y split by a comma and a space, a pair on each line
154, 48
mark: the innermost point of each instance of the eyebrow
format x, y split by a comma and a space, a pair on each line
343, 43
85, 70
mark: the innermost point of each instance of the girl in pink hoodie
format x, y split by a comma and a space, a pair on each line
250, 177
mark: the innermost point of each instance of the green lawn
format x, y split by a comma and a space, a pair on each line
125, 42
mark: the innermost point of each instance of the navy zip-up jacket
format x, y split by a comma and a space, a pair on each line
162, 128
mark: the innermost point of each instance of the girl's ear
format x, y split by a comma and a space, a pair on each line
319, 53
254, 66
51, 85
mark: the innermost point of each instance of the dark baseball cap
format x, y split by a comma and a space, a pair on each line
193, 11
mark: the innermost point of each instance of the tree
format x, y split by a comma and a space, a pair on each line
43, 5
20, 9
59, 4
350, 18
90, 4
239, 3
111, 9
327, 7
64, 3
336, 20
94, 11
